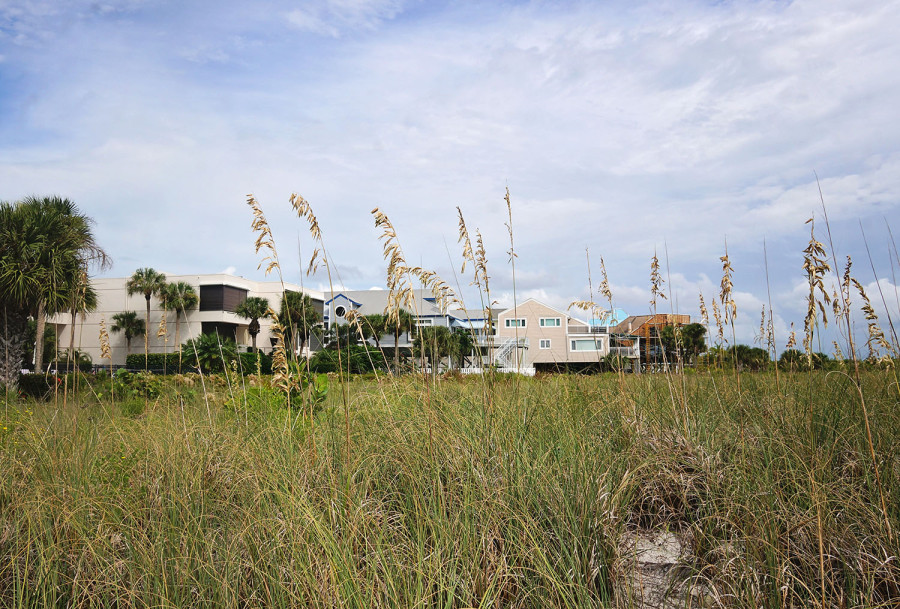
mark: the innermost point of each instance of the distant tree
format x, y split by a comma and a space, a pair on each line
150, 283
690, 339
210, 352
399, 323
82, 299
299, 315
374, 326
181, 298
253, 308
744, 357
128, 323
44, 244
434, 342
462, 345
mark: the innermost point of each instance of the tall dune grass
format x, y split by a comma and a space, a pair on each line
524, 510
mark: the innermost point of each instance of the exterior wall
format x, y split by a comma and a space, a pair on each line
647, 327
112, 298
560, 351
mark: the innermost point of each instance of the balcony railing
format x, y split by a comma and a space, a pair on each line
581, 329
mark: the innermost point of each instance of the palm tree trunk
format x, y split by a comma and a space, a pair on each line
253, 342
72, 342
147, 335
13, 331
39, 338
397, 350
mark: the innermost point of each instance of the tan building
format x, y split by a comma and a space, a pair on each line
534, 336
219, 296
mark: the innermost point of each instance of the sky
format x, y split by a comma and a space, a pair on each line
621, 129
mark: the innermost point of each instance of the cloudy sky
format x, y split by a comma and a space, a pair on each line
623, 127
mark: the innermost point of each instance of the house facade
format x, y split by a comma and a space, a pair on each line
647, 327
535, 336
219, 296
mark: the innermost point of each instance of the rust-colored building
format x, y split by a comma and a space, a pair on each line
648, 327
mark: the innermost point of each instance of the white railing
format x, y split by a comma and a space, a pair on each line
626, 351
506, 369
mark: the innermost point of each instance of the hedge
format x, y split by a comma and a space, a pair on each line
168, 363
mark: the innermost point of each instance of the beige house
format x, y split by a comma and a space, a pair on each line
219, 296
534, 336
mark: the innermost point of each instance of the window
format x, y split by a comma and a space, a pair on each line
221, 297
551, 322
545, 343
424, 323
586, 344
340, 311
515, 322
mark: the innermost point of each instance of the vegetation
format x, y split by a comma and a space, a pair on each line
150, 283
253, 308
46, 248
299, 315
128, 323
209, 352
181, 298
446, 503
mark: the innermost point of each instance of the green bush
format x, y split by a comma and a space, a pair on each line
357, 359
141, 384
248, 363
162, 362
39, 385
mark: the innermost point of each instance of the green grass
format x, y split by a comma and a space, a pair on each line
448, 499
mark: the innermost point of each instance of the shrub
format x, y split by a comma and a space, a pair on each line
39, 385
248, 363
357, 359
162, 363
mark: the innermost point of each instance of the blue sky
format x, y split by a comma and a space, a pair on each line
622, 127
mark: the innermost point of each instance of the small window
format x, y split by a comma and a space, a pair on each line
424, 323
515, 322
340, 311
551, 322
545, 343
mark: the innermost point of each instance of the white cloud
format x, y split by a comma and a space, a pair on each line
332, 17
617, 127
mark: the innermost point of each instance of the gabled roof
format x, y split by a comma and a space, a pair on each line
563, 314
369, 302
345, 297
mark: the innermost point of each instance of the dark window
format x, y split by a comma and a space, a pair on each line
221, 297
224, 330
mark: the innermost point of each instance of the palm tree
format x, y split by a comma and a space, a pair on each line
299, 314
210, 352
45, 244
128, 323
83, 299
180, 297
148, 282
253, 308
77, 227
400, 323
375, 326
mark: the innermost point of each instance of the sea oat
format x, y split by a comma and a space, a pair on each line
656, 282
876, 336
815, 263
105, 352
264, 238
704, 314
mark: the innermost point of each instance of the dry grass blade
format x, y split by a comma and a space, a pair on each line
656, 282
815, 263
264, 239
105, 351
